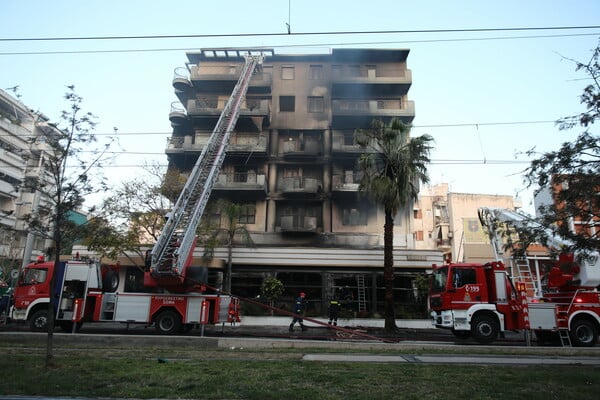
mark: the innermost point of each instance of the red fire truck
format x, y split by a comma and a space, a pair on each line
484, 300
166, 291
86, 291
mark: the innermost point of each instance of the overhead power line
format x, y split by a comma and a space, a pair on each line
395, 42
275, 34
425, 126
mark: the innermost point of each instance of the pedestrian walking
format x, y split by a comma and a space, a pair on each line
299, 307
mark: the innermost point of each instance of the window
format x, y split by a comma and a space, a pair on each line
34, 276
354, 71
315, 104
380, 104
247, 214
287, 72
419, 236
417, 214
316, 72
463, 277
371, 71
348, 138
352, 216
287, 103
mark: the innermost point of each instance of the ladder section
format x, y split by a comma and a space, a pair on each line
565, 338
521, 269
362, 299
177, 240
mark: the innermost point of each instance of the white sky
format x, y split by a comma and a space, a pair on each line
458, 78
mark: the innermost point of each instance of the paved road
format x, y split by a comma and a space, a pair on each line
456, 359
277, 328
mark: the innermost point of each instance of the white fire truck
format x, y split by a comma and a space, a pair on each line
168, 293
484, 300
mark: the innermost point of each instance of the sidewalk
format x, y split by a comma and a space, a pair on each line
351, 322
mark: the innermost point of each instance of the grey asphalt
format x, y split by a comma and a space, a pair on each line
456, 359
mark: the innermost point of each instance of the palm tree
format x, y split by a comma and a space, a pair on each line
226, 234
392, 170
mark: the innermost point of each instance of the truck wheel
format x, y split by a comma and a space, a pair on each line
484, 329
39, 321
583, 333
110, 282
167, 322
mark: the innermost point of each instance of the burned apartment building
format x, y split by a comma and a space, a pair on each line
292, 163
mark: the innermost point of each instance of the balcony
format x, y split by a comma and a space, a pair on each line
182, 83
366, 83
242, 181
255, 144
212, 106
241, 145
373, 108
6, 189
298, 185
178, 115
222, 78
349, 181
344, 143
345, 185
302, 149
443, 235
360, 113
299, 223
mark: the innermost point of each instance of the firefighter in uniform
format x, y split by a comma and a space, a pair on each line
334, 310
299, 306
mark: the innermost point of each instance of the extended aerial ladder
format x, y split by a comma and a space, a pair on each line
588, 269
174, 248
492, 218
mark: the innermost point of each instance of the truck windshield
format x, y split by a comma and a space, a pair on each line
440, 277
34, 276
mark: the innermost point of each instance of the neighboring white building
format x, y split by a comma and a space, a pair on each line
20, 158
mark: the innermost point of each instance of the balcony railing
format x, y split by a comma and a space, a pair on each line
214, 106
248, 143
253, 144
298, 223
349, 181
302, 148
299, 185
363, 76
177, 113
221, 73
373, 108
241, 181
181, 78
342, 144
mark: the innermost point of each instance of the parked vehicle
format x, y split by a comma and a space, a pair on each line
484, 300
85, 291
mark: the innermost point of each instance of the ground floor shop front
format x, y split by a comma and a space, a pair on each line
354, 277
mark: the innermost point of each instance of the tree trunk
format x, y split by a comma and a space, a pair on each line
388, 271
51, 312
229, 266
